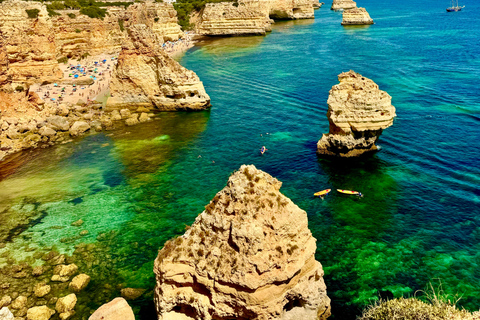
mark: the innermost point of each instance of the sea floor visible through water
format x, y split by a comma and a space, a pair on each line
135, 188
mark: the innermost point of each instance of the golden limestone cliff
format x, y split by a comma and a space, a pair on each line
146, 76
343, 4
29, 43
358, 112
247, 17
249, 255
81, 35
250, 17
291, 9
160, 17
356, 16
4, 78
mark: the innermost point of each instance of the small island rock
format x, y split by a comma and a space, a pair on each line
358, 112
356, 16
343, 4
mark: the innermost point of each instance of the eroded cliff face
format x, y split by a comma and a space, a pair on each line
77, 36
343, 4
356, 16
29, 43
291, 9
249, 255
160, 17
249, 17
4, 79
146, 76
358, 112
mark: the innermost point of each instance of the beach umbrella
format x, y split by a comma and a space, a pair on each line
53, 99
75, 76
55, 84
94, 78
74, 85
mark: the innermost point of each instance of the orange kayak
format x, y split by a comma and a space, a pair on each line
322, 193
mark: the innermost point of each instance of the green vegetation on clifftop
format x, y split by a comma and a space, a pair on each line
186, 7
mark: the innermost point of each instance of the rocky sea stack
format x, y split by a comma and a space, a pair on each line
356, 16
343, 4
145, 76
358, 112
249, 255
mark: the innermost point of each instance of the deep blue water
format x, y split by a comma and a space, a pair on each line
418, 222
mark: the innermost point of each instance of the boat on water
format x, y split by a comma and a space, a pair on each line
351, 192
263, 149
322, 193
455, 7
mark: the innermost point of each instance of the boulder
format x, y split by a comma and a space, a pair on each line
6, 314
133, 120
144, 117
19, 303
5, 301
37, 271
66, 303
77, 223
79, 127
79, 282
41, 289
358, 112
47, 132
39, 313
117, 309
132, 293
58, 123
249, 255
65, 270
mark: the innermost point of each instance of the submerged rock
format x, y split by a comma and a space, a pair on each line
117, 309
79, 282
41, 290
249, 255
356, 16
66, 303
358, 112
132, 293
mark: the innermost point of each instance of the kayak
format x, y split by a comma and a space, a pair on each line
262, 151
349, 192
322, 193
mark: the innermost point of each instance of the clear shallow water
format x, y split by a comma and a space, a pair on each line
418, 221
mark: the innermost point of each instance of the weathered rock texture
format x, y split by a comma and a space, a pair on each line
343, 4
226, 18
356, 16
249, 255
291, 9
146, 76
29, 42
358, 112
116, 309
161, 18
4, 78
82, 34
317, 4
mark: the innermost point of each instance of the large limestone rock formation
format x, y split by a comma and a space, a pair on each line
249, 255
358, 112
161, 18
247, 17
29, 42
146, 76
356, 16
343, 4
291, 9
82, 34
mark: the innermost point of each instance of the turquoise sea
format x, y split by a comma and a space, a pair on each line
419, 220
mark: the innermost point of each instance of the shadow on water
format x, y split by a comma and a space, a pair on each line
350, 232
235, 45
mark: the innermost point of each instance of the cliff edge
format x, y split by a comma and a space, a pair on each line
146, 76
356, 16
358, 112
249, 255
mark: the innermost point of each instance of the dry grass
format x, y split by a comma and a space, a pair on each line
440, 306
